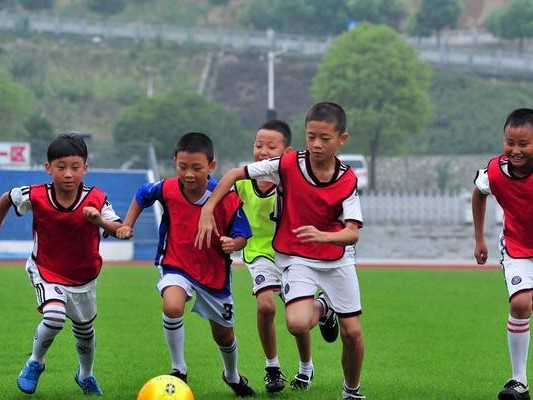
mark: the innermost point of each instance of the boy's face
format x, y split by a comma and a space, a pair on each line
518, 147
322, 140
193, 170
268, 144
67, 173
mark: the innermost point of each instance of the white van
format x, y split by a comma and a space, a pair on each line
360, 167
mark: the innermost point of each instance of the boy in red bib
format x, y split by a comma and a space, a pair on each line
68, 218
318, 219
185, 270
509, 177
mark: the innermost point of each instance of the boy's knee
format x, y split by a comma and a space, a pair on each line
297, 327
266, 310
223, 337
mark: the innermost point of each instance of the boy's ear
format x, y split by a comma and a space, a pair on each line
47, 167
288, 149
344, 138
212, 166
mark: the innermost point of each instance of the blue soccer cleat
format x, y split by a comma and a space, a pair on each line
89, 385
29, 376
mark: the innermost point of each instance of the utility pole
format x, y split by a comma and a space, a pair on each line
271, 58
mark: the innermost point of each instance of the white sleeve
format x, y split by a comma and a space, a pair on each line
482, 182
20, 197
351, 208
266, 170
108, 213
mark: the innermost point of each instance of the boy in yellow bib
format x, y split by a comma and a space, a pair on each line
259, 198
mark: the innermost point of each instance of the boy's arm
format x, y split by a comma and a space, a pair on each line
5, 204
230, 245
93, 215
206, 223
479, 206
126, 229
347, 236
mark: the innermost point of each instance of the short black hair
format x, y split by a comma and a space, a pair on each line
281, 127
328, 112
66, 145
519, 117
196, 142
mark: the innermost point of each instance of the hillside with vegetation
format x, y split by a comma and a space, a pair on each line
88, 84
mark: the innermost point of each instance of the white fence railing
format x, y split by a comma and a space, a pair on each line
423, 208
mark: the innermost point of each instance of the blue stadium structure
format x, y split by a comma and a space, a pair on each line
120, 187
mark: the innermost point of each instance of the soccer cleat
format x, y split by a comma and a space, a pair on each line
274, 379
329, 328
352, 394
178, 374
89, 385
242, 388
302, 382
29, 376
514, 390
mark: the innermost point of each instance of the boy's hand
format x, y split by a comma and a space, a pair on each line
92, 214
481, 252
309, 234
124, 232
206, 227
228, 244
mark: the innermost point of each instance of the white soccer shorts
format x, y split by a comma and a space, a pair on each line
340, 286
266, 275
80, 301
207, 305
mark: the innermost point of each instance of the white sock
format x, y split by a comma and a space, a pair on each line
85, 346
272, 362
229, 358
518, 338
175, 336
53, 321
306, 368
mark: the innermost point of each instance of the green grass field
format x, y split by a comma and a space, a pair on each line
429, 335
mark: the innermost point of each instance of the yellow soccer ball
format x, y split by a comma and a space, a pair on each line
165, 387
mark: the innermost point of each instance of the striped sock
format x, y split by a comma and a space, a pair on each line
175, 337
229, 358
518, 338
53, 321
85, 345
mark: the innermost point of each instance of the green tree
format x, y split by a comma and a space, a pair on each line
513, 21
163, 119
35, 5
17, 103
297, 16
106, 7
390, 12
384, 87
434, 16
39, 128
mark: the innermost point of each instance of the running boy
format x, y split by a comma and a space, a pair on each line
68, 218
509, 178
271, 140
318, 224
186, 270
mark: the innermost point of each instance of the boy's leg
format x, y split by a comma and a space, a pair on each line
81, 309
352, 350
174, 299
266, 311
519, 277
227, 344
54, 316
